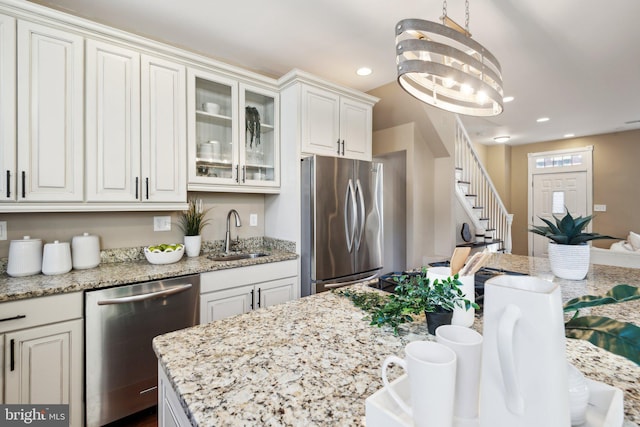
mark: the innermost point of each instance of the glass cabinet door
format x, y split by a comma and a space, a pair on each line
213, 128
259, 152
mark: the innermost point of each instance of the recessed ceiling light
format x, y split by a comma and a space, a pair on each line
569, 135
508, 99
364, 71
542, 119
502, 139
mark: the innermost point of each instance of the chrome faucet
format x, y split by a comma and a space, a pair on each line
227, 237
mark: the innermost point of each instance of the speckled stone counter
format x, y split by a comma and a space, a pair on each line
120, 272
314, 361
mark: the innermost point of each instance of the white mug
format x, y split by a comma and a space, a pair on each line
431, 368
467, 344
461, 316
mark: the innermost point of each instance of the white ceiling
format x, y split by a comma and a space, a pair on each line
575, 61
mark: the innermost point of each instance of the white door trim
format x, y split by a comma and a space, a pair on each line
585, 166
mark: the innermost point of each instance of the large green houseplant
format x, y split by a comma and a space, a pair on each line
568, 248
621, 338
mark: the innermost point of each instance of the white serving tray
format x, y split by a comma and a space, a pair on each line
605, 407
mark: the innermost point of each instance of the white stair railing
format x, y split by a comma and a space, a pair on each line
482, 187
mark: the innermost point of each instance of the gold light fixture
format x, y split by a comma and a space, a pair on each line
441, 65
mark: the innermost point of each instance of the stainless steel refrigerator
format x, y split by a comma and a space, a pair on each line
341, 222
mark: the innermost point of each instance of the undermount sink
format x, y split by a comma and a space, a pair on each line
235, 257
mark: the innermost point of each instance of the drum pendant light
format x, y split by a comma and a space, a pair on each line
441, 65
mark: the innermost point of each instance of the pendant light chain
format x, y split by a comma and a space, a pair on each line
444, 10
466, 16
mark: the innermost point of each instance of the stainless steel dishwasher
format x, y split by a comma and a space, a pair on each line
121, 373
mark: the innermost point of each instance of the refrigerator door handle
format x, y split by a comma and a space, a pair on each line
350, 229
361, 213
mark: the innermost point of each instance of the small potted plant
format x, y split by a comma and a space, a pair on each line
192, 221
568, 248
436, 299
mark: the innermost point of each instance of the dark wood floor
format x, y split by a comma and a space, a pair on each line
146, 418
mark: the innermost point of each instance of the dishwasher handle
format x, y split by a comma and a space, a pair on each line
142, 297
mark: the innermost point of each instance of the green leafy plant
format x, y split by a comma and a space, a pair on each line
192, 221
252, 125
413, 295
567, 230
621, 338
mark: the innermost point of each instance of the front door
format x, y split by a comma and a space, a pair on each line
559, 180
552, 193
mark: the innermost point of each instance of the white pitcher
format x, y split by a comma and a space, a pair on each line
524, 369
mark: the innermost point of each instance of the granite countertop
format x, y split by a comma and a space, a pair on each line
121, 273
315, 360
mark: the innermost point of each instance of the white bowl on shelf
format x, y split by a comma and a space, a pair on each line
165, 257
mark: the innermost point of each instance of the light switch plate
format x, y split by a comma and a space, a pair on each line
3, 230
253, 220
599, 208
161, 223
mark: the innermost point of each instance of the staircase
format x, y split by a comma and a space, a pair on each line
478, 196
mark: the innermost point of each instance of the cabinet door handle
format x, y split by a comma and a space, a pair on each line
252, 299
8, 184
19, 316
338, 146
259, 296
12, 363
244, 174
146, 183
343, 147
137, 187
238, 174
24, 181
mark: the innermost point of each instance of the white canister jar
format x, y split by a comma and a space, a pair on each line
56, 258
85, 251
25, 257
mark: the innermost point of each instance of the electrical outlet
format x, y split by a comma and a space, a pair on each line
599, 208
161, 223
253, 220
3, 230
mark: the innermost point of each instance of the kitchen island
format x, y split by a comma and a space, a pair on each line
315, 360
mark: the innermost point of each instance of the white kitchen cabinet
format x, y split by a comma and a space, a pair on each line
170, 412
334, 124
164, 130
50, 114
223, 155
7, 109
112, 123
42, 340
235, 291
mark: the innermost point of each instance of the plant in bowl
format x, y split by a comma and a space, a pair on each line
568, 248
192, 222
621, 338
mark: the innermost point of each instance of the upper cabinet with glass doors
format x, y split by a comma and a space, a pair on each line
234, 142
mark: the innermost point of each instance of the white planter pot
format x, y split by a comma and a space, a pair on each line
192, 245
569, 261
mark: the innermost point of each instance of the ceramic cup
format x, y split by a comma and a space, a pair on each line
467, 344
431, 369
211, 107
461, 316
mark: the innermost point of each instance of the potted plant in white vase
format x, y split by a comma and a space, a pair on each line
192, 221
568, 248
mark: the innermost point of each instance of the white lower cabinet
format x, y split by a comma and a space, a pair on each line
235, 291
170, 412
42, 341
